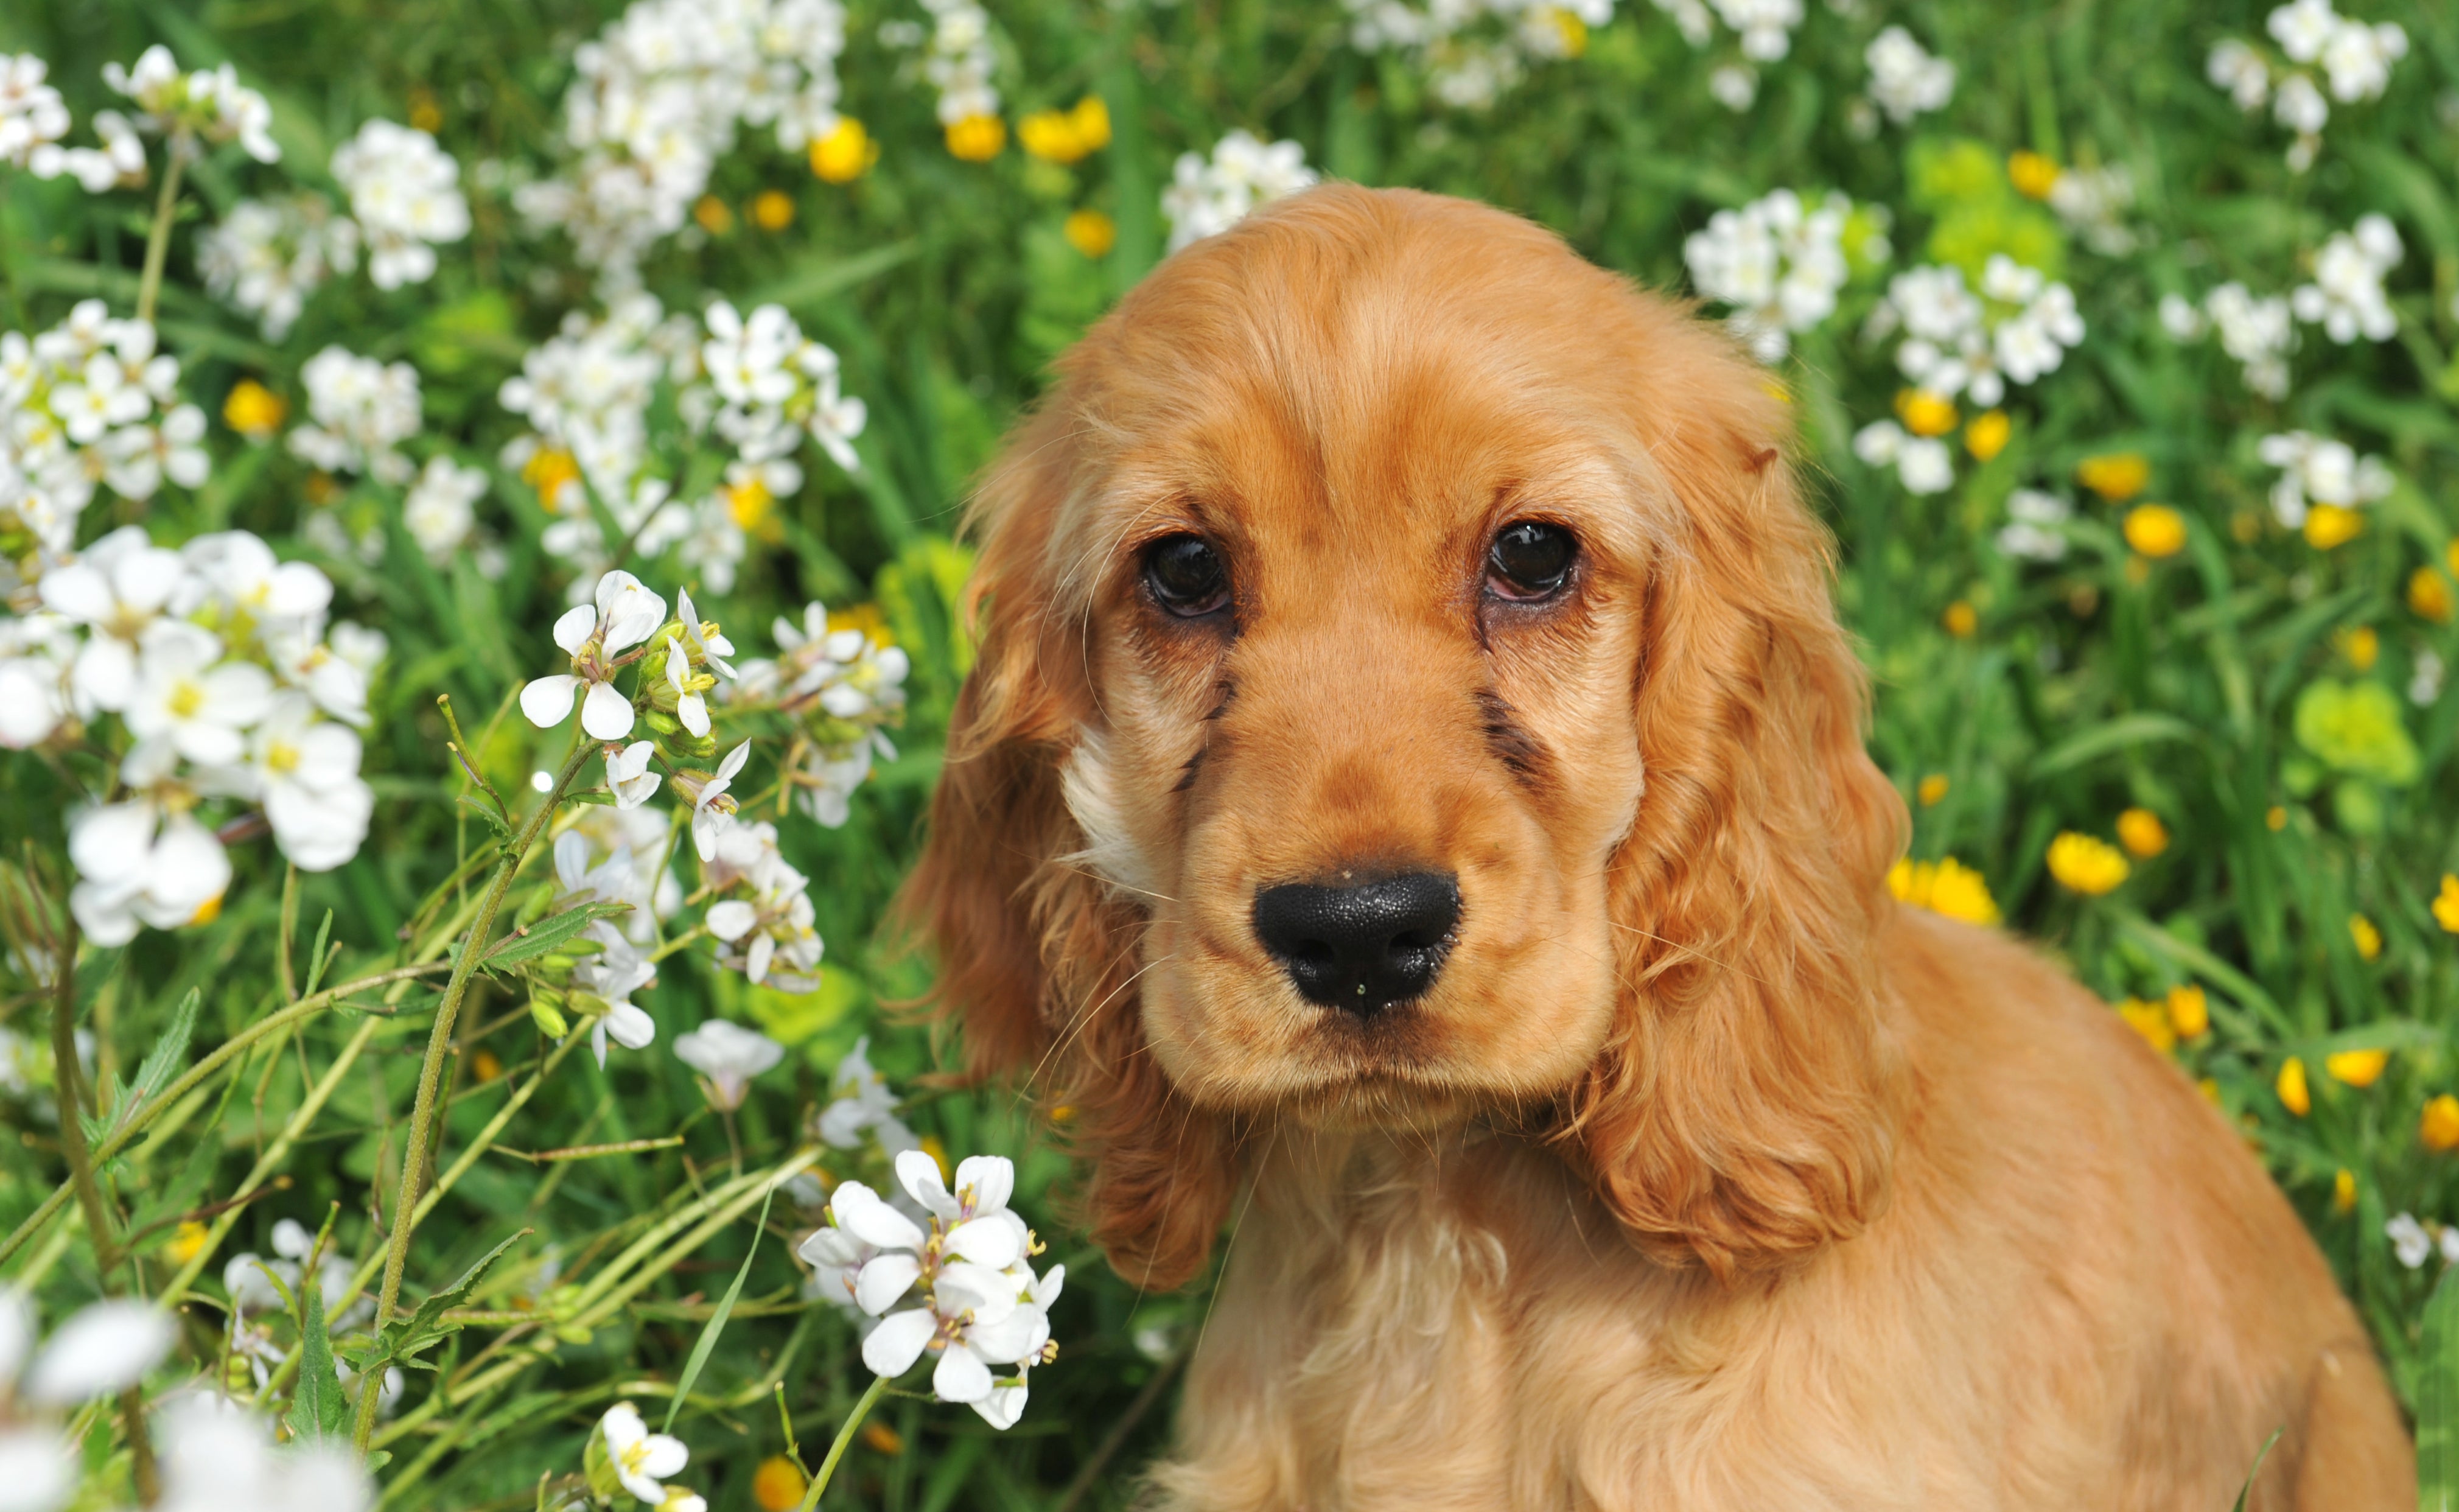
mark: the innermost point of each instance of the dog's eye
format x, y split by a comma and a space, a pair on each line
1530, 560
1186, 576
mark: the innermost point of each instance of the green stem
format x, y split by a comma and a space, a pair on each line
430, 1072
157, 240
845, 1437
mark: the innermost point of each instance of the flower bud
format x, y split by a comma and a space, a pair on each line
550, 1021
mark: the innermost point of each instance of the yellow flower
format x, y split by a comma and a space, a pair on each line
254, 410
1986, 436
1932, 789
1925, 413
548, 470
2292, 1089
2343, 1190
1944, 886
778, 1484
2445, 905
845, 153
2117, 476
2357, 1068
2275, 817
2142, 833
882, 1438
2439, 1129
2362, 646
937, 1151
485, 1064
2368, 938
210, 910
424, 113
2328, 525
977, 138
187, 1242
2428, 594
1576, 31
2210, 1088
2149, 1020
2190, 1012
1960, 619
712, 216
748, 501
1065, 136
2032, 175
1091, 232
772, 210
2087, 864
2155, 530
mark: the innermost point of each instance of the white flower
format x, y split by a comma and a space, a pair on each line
1904, 80
137, 864
2031, 531
628, 776
2093, 201
2357, 58
708, 645
691, 711
1206, 198
640, 1458
2258, 332
2408, 1240
2239, 70
103, 1350
220, 1457
1734, 87
363, 411
863, 1102
614, 974
307, 775
32, 114
266, 256
634, 841
120, 591
440, 509
38, 1468
2347, 297
1473, 50
2425, 682
712, 806
1778, 263
406, 193
729, 1056
1921, 462
190, 701
2320, 471
624, 615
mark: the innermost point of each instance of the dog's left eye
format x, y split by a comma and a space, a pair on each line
1186, 576
1530, 560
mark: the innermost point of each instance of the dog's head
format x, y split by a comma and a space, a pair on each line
1409, 693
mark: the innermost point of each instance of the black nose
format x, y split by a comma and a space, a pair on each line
1365, 947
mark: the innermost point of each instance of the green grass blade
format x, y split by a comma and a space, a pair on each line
2437, 1402
717, 1320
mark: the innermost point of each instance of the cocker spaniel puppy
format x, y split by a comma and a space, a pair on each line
1411, 805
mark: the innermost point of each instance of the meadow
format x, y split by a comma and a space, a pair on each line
479, 497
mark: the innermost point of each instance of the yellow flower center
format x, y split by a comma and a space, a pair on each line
281, 756
185, 700
845, 152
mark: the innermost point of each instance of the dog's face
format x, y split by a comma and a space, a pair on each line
1364, 617
1408, 692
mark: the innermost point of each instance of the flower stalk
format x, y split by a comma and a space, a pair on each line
845, 1437
157, 239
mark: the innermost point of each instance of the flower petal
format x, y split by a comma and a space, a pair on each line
919, 1175
962, 1377
106, 1348
884, 1279
985, 1241
860, 1212
893, 1347
606, 714
731, 919
572, 630
992, 1179
547, 701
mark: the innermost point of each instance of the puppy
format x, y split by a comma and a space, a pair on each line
1411, 805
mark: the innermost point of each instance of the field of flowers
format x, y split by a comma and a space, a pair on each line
477, 499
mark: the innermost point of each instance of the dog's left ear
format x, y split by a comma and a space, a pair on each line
1744, 1108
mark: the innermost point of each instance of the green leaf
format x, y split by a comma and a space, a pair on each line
2123, 732
544, 935
404, 1339
164, 1059
2437, 1401
2261, 1455
317, 1408
716, 1320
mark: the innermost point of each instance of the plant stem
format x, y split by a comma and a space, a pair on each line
157, 240
845, 1437
439, 1039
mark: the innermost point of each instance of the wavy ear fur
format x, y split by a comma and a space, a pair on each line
1743, 1110
1038, 958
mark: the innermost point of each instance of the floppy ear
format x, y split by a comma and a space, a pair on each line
1036, 957
1743, 1110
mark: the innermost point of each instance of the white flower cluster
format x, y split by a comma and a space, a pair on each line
441, 513
2092, 202
1473, 51
2256, 330
978, 1303
847, 686
1905, 80
267, 256
215, 660
218, 1456
1206, 198
2015, 329
361, 411
1765, 27
406, 193
2355, 57
766, 926
1778, 263
618, 855
638, 1461
2415, 1243
2347, 297
89, 401
32, 117
861, 1102
2031, 529
1921, 462
660, 95
615, 969
958, 60
2316, 470
100, 1351
249, 1278
729, 1056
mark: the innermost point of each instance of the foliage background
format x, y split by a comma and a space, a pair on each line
2102, 682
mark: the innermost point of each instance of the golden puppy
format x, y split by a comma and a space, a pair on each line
1412, 803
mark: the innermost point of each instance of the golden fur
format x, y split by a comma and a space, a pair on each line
1703, 1176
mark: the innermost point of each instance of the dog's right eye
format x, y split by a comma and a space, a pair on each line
1186, 576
